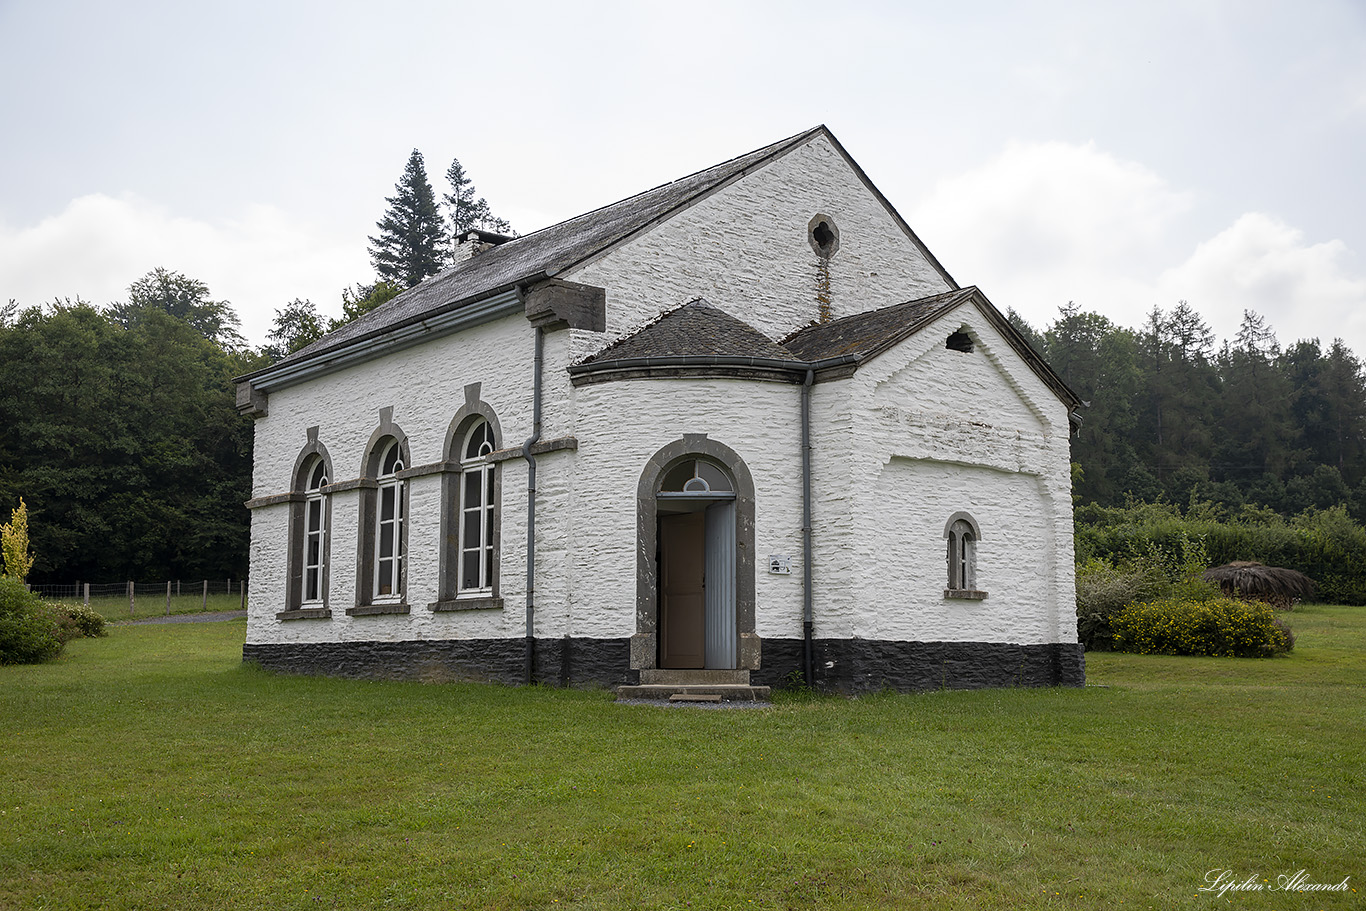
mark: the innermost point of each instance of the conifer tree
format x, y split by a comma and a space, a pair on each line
409, 246
467, 212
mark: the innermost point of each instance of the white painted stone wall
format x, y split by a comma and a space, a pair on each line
627, 422
425, 387
745, 250
916, 435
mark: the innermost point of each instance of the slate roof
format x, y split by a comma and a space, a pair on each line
544, 252
869, 334
696, 329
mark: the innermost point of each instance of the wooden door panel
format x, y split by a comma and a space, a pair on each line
682, 602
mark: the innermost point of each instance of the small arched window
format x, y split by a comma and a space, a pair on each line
478, 514
696, 476
315, 535
962, 535
392, 505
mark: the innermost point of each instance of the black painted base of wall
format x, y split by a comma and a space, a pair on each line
841, 665
864, 665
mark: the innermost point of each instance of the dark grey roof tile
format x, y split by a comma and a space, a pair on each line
694, 329
547, 251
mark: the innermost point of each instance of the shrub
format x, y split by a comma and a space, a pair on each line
1103, 590
76, 620
29, 631
1218, 627
1326, 545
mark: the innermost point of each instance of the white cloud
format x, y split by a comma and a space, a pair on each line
1046, 223
1260, 263
99, 245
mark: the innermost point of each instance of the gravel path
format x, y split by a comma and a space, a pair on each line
209, 617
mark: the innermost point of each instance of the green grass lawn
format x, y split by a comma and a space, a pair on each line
115, 607
151, 769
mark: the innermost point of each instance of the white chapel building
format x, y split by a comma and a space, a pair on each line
737, 431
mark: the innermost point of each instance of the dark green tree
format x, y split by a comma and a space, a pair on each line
1175, 418
1329, 406
411, 237
297, 325
184, 298
1099, 361
361, 299
125, 443
1028, 332
1256, 432
466, 212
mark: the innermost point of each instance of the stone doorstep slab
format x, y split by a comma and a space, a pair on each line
727, 692
694, 677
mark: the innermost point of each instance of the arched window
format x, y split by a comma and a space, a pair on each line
309, 521
391, 494
477, 510
962, 535
315, 535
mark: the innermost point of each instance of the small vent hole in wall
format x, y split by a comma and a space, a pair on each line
824, 235
959, 341
825, 238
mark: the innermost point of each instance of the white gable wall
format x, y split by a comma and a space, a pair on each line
922, 432
745, 249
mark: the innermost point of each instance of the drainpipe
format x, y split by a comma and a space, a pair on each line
531, 504
808, 665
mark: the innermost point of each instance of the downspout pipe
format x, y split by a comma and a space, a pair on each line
537, 372
808, 612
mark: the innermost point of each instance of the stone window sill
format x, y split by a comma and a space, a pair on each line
454, 604
965, 594
305, 613
371, 610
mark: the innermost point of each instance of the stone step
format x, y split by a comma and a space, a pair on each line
726, 692
694, 697
694, 676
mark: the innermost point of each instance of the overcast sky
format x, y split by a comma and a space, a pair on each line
1119, 155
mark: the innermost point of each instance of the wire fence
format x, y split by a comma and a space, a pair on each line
143, 599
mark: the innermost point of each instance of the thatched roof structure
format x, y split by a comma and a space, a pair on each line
1245, 578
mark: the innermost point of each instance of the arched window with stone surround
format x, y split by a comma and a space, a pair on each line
310, 521
382, 548
962, 534
478, 509
391, 495
315, 535
471, 492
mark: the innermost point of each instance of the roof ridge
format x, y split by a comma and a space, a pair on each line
668, 183
511, 245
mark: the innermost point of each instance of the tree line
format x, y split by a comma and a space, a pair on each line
1245, 425
118, 423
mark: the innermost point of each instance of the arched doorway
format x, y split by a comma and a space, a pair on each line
696, 509
695, 561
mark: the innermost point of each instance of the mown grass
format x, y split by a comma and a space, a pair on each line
115, 607
151, 769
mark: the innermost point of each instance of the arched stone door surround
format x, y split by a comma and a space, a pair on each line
645, 642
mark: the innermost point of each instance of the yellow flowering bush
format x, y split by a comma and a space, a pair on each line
1217, 627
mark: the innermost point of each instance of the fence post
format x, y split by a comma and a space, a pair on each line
87, 594
130, 598
206, 596
244, 594
177, 588
168, 598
